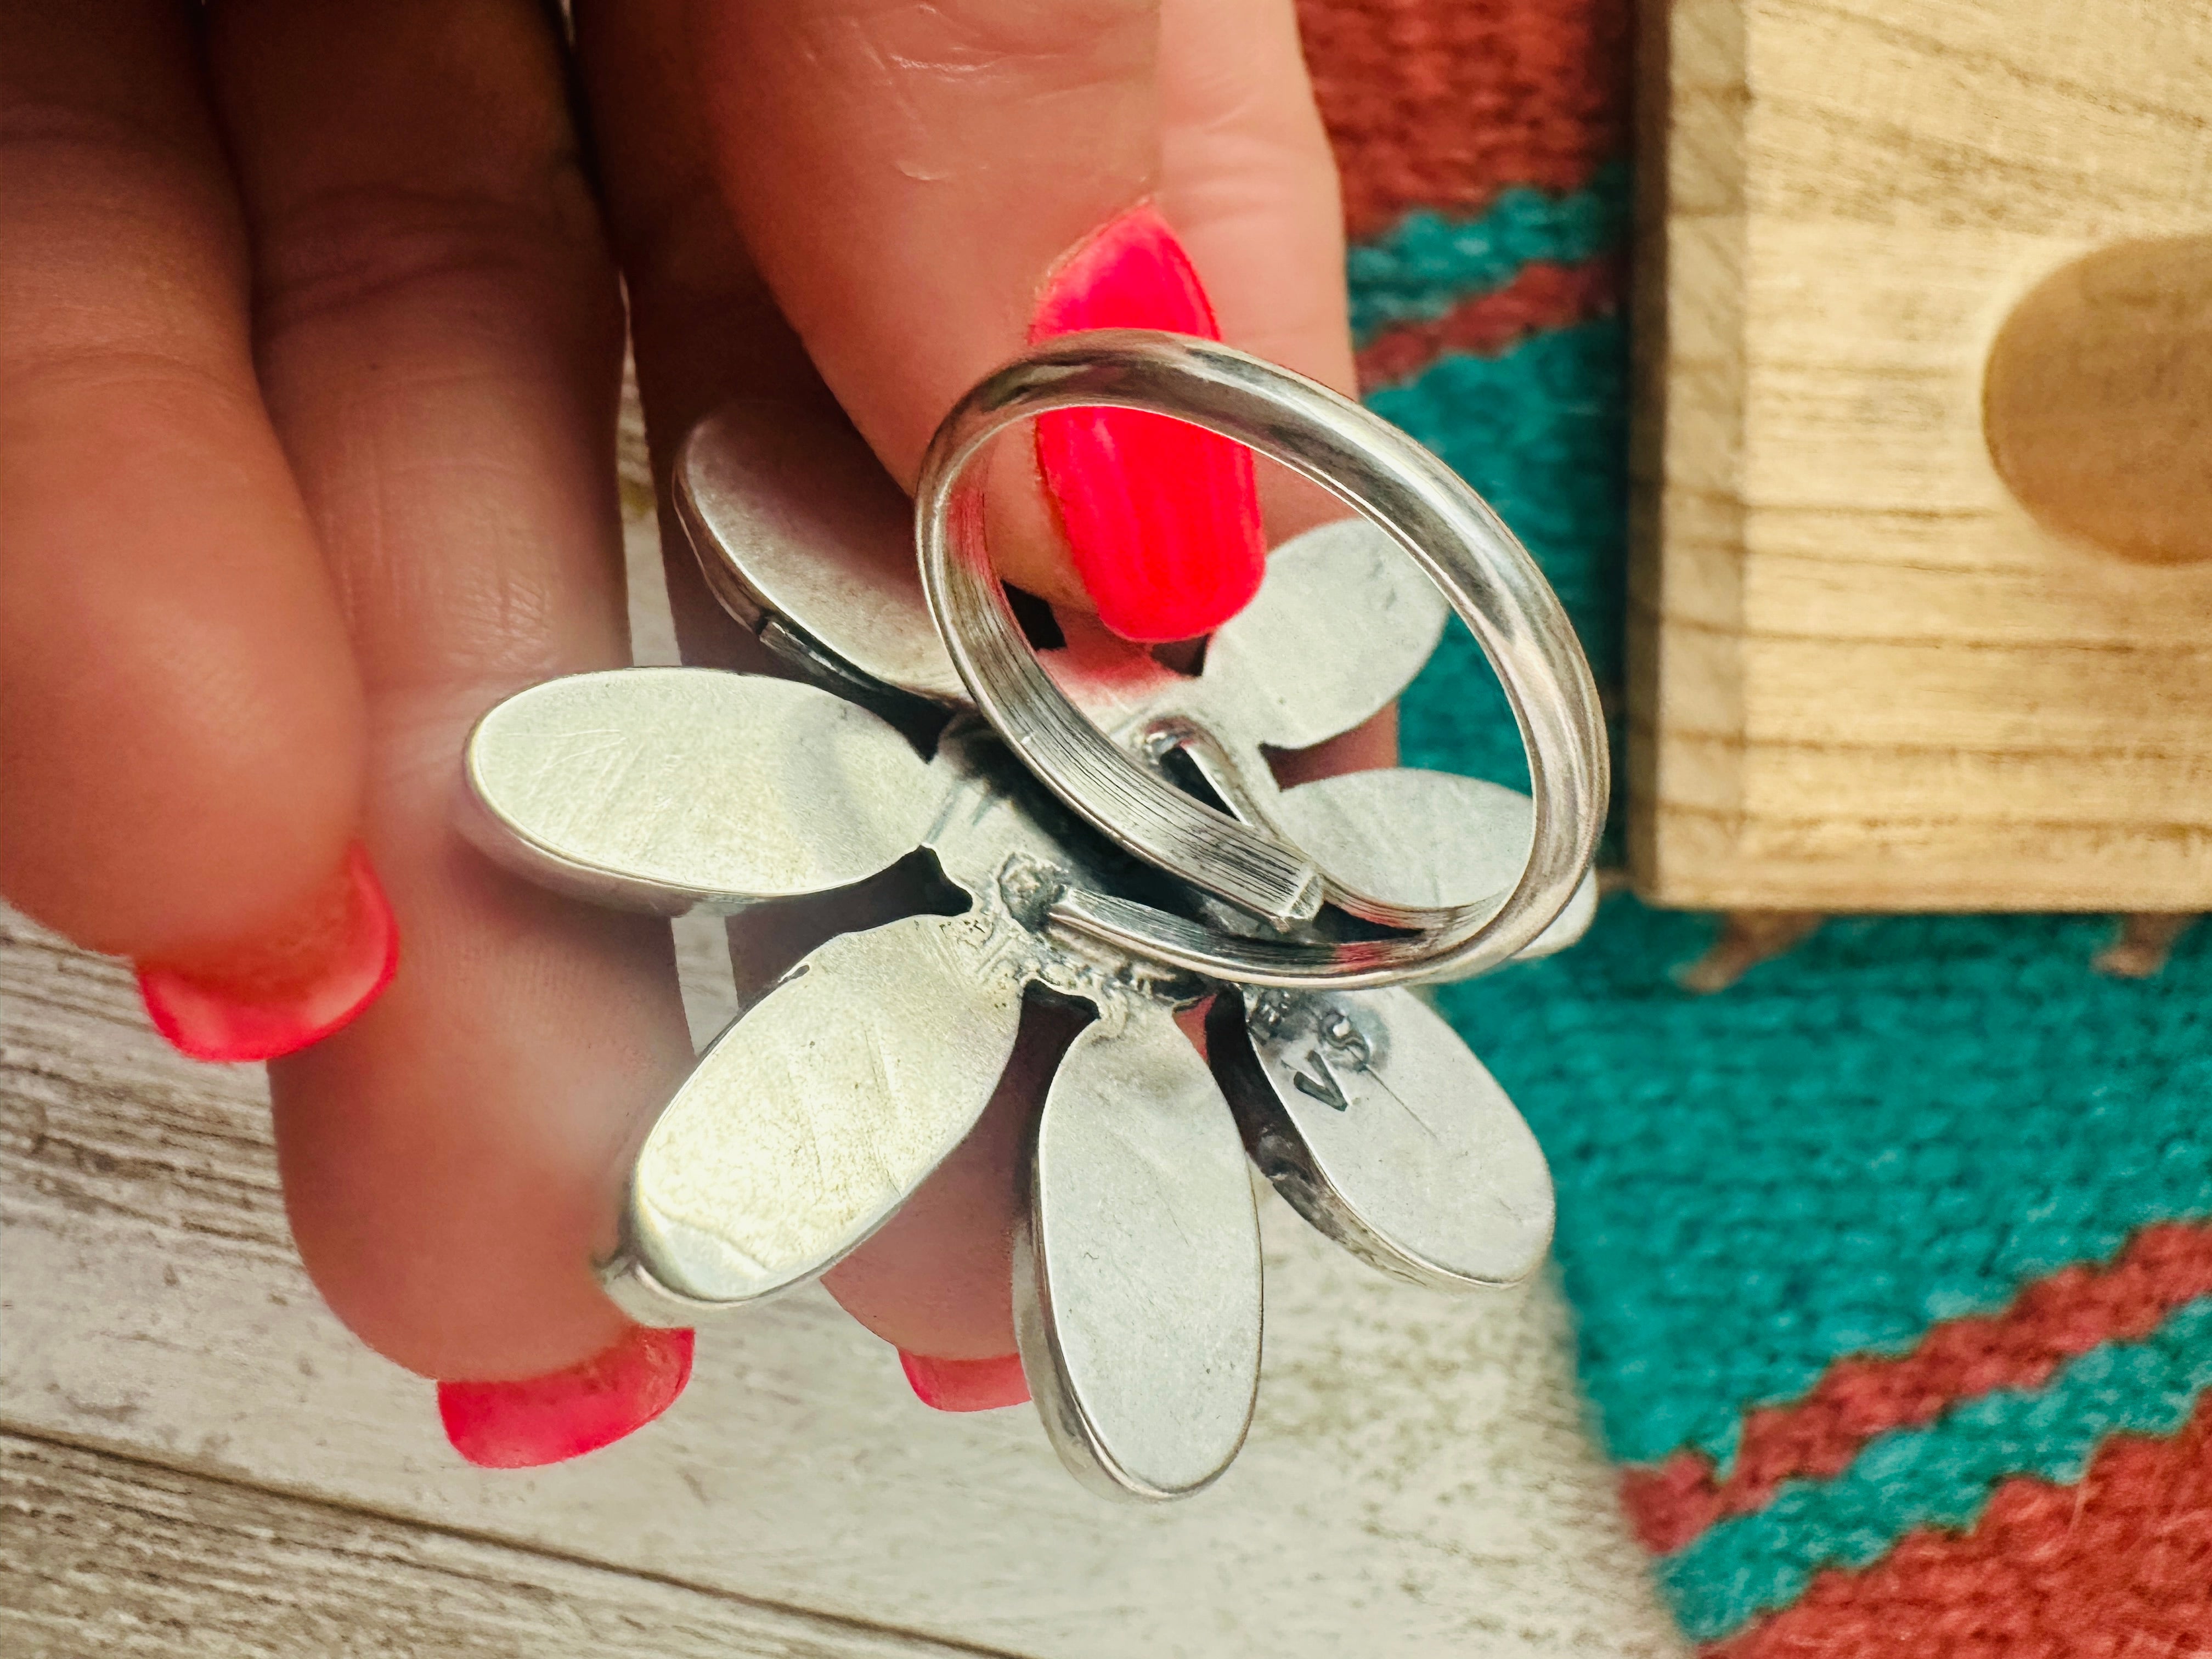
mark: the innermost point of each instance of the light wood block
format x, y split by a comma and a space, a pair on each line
1861, 676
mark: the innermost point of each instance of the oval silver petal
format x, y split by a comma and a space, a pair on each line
792, 516
1341, 626
670, 789
821, 1108
1372, 1119
1426, 838
1137, 1289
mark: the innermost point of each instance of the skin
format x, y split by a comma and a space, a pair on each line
310, 336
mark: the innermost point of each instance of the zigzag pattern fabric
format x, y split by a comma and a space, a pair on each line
1893, 1263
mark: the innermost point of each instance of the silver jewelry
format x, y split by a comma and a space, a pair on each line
1421, 504
838, 1091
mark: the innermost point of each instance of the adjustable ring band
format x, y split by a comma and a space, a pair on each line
1485, 572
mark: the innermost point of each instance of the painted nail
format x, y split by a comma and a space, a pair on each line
1163, 518
966, 1385
264, 997
564, 1415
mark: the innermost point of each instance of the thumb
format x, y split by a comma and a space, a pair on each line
927, 189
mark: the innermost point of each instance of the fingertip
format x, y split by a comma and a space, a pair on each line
282, 988
1161, 518
182, 725
966, 1385
530, 1422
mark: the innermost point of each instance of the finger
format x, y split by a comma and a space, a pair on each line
927, 188
703, 327
1249, 180
936, 1279
439, 334
180, 724
1248, 177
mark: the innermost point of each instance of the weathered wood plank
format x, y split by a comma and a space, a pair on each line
1846, 197
1419, 1482
104, 1556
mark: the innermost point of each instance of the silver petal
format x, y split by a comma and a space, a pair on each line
1426, 838
1118, 685
796, 523
1137, 1287
672, 789
821, 1108
1372, 1119
1341, 625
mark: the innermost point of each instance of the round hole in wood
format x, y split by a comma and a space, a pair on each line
2097, 401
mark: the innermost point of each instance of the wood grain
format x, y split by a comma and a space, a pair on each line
1418, 1482
104, 1556
1862, 677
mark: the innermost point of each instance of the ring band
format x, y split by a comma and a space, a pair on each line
1485, 572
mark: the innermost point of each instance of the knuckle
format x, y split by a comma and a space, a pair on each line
350, 249
1016, 42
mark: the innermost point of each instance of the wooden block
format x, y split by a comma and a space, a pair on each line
1865, 674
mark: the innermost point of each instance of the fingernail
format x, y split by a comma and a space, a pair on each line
966, 1385
1163, 518
267, 996
564, 1415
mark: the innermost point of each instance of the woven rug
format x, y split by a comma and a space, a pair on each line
1892, 1262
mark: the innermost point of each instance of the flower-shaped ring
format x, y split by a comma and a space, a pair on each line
835, 1093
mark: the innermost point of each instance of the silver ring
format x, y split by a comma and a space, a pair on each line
1484, 572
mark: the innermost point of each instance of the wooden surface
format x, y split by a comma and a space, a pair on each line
1861, 676
135, 1560
196, 1459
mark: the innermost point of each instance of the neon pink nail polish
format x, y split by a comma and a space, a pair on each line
564, 1415
1163, 518
966, 1385
269, 996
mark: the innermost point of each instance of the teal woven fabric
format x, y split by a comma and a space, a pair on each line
1427, 263
1942, 1476
1542, 432
1904, 1121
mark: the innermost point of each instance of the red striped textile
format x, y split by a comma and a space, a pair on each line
1439, 104
2049, 1322
1542, 296
2118, 1566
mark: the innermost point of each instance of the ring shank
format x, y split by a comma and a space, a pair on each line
1489, 579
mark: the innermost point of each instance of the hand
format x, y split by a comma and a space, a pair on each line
312, 333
